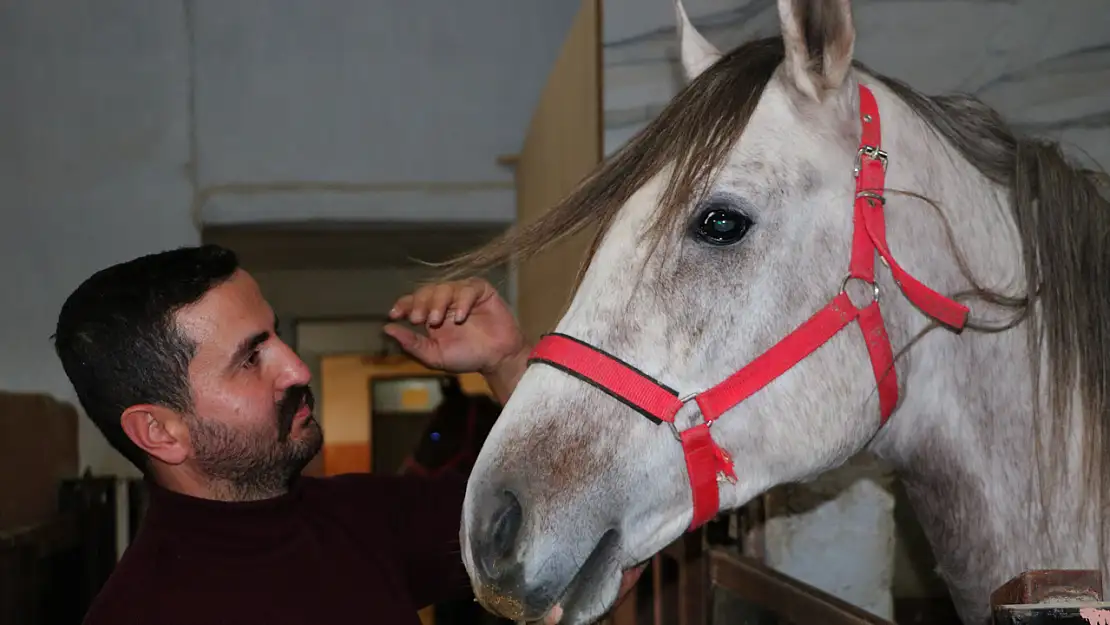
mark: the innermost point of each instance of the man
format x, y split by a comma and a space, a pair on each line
175, 357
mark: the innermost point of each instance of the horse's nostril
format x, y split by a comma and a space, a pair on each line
507, 526
495, 551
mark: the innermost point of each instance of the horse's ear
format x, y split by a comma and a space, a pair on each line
697, 53
819, 39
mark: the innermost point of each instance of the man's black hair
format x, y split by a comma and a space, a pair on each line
119, 343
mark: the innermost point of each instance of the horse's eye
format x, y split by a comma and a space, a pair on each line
721, 224
434, 436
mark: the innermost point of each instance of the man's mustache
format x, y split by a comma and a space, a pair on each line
291, 402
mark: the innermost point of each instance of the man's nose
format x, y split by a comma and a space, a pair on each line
294, 371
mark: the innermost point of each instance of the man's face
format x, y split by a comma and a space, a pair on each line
252, 425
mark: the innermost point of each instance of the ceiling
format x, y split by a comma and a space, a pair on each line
371, 93
348, 246
404, 101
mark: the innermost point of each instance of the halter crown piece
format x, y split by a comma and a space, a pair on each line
707, 464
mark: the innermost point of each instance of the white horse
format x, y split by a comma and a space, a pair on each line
729, 230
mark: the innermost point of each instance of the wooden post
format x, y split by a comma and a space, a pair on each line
1051, 597
693, 577
562, 146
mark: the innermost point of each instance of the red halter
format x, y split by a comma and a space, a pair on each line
706, 463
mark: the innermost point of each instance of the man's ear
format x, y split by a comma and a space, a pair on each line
158, 431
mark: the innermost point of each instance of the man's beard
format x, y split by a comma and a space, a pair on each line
254, 464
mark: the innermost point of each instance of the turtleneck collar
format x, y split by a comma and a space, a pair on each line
225, 526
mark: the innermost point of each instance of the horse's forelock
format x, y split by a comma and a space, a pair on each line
693, 134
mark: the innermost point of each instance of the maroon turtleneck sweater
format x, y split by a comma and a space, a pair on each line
354, 548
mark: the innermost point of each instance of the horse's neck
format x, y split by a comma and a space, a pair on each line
963, 438
964, 448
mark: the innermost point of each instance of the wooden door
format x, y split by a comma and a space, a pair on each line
564, 143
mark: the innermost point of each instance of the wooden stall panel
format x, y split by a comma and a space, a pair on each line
1051, 597
38, 449
745, 591
563, 145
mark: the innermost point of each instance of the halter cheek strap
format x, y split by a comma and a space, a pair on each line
707, 464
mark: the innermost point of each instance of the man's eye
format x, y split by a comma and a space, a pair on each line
252, 360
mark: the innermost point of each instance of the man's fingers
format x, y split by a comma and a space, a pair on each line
467, 297
401, 334
554, 616
421, 298
439, 302
401, 308
433, 303
414, 343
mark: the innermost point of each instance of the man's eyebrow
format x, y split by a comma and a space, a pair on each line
249, 345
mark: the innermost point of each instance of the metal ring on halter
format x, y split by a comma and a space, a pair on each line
871, 195
684, 399
874, 286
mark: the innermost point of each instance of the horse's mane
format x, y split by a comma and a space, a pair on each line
1064, 227
1063, 222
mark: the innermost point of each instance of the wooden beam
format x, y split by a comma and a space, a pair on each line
508, 160
753, 588
1051, 597
562, 146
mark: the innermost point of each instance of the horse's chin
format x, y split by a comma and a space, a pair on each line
569, 610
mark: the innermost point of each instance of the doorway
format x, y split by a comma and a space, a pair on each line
373, 408
401, 407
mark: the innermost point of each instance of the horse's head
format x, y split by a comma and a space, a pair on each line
727, 225
455, 433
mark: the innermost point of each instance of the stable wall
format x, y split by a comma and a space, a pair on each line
1044, 65
94, 167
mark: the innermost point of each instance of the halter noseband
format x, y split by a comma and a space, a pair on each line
706, 463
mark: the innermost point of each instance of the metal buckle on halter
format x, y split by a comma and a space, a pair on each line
873, 153
874, 287
721, 476
685, 399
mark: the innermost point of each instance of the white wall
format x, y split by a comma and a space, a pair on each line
94, 155
1045, 65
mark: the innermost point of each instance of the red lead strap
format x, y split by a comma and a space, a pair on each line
706, 462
